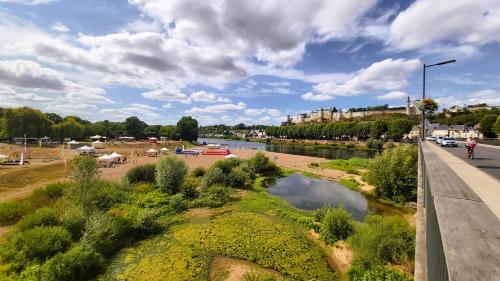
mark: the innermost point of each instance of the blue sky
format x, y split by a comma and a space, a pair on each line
231, 61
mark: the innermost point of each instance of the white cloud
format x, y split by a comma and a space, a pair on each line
217, 108
143, 111
59, 27
167, 93
394, 95
29, 2
202, 96
259, 111
167, 105
316, 97
462, 22
388, 74
488, 96
29, 74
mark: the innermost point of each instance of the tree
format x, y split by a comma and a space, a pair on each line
69, 128
187, 127
239, 126
496, 126
170, 174
135, 127
25, 120
56, 118
379, 127
152, 130
167, 131
336, 224
486, 125
398, 128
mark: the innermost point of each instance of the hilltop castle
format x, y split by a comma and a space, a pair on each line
333, 115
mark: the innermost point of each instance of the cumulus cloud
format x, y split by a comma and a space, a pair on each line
59, 27
488, 96
462, 22
394, 95
29, 74
202, 96
29, 2
167, 93
217, 108
273, 112
139, 109
388, 74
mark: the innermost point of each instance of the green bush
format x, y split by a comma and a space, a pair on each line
394, 173
260, 164
141, 174
78, 264
214, 176
105, 233
84, 170
41, 242
198, 172
11, 212
226, 165
189, 188
320, 213
178, 203
376, 273
375, 144
41, 217
336, 225
52, 191
170, 174
237, 178
216, 195
383, 239
99, 195
73, 219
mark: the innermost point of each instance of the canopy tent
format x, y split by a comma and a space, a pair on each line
86, 149
152, 153
231, 156
117, 155
98, 144
97, 137
106, 157
164, 150
73, 144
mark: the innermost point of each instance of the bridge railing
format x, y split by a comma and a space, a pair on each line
462, 235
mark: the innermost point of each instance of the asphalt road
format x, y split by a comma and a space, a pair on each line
487, 159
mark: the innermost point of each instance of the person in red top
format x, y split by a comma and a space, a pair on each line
470, 144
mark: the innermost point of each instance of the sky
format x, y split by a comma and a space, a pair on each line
243, 61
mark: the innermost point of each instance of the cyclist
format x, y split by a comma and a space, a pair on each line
470, 144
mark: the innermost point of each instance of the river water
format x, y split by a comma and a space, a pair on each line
328, 152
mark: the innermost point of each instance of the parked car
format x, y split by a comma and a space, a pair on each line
439, 139
448, 141
431, 138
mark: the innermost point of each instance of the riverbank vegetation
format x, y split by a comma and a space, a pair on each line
163, 223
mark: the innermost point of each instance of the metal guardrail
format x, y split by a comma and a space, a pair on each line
462, 235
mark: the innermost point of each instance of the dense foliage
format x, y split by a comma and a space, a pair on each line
187, 128
391, 129
336, 224
142, 173
464, 117
170, 174
394, 173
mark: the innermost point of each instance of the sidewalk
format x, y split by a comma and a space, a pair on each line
484, 185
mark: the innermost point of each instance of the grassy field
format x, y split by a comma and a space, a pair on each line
352, 165
19, 177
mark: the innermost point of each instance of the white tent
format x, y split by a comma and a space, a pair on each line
106, 157
73, 144
98, 144
231, 156
86, 149
96, 137
165, 149
117, 155
152, 152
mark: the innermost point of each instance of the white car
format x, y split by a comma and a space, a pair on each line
431, 138
447, 141
439, 139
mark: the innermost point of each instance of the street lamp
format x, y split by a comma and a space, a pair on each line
423, 92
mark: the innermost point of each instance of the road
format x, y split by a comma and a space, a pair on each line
487, 159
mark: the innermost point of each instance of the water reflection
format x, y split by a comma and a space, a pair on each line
310, 194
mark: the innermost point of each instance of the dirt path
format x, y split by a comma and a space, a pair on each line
230, 269
339, 256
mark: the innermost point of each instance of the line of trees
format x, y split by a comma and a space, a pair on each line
361, 130
15, 122
485, 118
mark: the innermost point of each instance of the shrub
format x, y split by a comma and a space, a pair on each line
79, 263
198, 172
141, 174
226, 165
261, 164
10, 212
383, 239
314, 165
105, 233
320, 213
84, 170
237, 178
360, 273
375, 144
73, 219
189, 188
217, 195
170, 173
177, 203
41, 217
52, 191
394, 173
41, 242
214, 176
336, 225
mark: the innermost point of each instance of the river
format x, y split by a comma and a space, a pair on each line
324, 151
